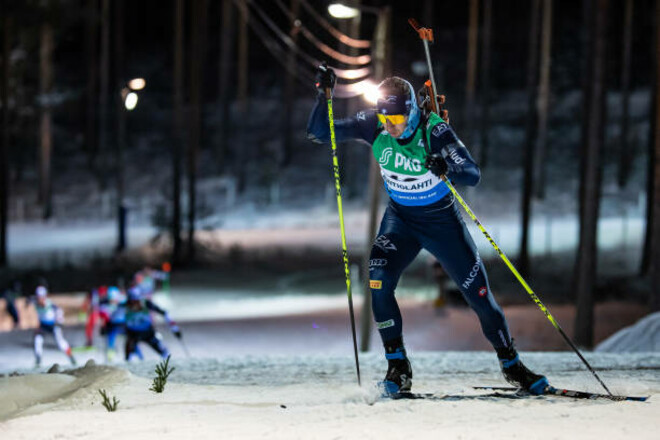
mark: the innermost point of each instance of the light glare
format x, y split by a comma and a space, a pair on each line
338, 10
137, 83
369, 91
131, 101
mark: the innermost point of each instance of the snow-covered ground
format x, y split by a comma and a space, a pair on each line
317, 397
267, 374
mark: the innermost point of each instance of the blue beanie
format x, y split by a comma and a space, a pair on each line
401, 105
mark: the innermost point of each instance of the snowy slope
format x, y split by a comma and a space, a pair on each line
642, 336
316, 397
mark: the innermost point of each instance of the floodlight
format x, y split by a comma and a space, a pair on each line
338, 10
131, 101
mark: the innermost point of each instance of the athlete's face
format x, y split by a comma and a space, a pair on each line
395, 130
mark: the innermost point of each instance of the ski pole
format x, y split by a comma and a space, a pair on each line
522, 281
185, 348
427, 35
335, 167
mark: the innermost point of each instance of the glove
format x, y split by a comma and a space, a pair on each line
436, 164
325, 78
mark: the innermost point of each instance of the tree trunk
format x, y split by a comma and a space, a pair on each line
120, 82
427, 14
471, 81
655, 163
290, 89
485, 82
543, 99
627, 150
45, 126
382, 61
104, 87
530, 134
590, 179
177, 135
198, 30
92, 93
227, 41
246, 151
4, 140
354, 152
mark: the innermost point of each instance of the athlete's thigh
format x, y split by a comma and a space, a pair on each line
451, 244
393, 249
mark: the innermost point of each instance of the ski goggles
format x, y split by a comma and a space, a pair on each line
394, 119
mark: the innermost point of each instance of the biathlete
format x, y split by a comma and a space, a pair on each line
421, 213
9, 295
50, 320
112, 312
140, 326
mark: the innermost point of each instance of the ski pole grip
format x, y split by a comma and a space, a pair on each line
328, 93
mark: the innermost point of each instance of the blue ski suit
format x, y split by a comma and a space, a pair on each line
421, 213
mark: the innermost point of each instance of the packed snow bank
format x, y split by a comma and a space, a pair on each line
36, 393
643, 336
316, 397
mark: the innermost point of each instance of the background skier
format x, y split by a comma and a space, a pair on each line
9, 295
140, 325
50, 320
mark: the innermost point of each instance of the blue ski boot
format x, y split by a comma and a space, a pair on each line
517, 374
399, 375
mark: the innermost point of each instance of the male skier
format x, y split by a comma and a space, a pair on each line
421, 214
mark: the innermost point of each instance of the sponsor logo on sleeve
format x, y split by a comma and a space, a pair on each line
439, 129
375, 284
455, 157
483, 291
362, 116
377, 262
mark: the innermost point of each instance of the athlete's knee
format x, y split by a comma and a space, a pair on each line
482, 301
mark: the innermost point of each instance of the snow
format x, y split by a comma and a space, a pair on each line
271, 375
36, 244
317, 397
644, 335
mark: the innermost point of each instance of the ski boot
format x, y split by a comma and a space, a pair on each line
517, 374
399, 371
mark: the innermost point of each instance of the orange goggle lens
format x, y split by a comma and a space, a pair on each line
394, 119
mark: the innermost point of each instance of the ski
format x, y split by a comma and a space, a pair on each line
407, 395
83, 349
560, 392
